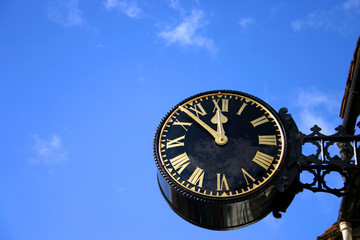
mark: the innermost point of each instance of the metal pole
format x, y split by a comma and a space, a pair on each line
346, 230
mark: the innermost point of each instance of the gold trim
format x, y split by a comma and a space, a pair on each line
233, 193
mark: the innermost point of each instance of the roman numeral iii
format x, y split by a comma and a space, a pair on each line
267, 140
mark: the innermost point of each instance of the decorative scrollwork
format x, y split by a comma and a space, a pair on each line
321, 164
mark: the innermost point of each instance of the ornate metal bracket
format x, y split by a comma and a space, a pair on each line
321, 164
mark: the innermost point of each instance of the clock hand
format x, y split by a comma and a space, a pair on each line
219, 139
219, 119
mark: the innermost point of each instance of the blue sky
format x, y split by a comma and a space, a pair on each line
85, 84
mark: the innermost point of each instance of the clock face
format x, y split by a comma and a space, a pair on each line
220, 144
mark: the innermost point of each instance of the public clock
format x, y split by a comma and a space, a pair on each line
218, 155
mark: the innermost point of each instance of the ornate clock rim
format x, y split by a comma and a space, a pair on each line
261, 188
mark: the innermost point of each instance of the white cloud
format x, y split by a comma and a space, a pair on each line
129, 8
352, 4
110, 4
175, 4
339, 19
49, 152
66, 13
100, 46
316, 107
316, 20
245, 22
297, 25
188, 33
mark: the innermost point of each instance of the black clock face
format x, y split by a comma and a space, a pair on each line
220, 144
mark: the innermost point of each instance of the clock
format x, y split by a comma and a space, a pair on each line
219, 155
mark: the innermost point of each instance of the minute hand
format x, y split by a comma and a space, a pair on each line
219, 138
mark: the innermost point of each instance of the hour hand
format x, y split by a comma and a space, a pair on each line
219, 138
219, 119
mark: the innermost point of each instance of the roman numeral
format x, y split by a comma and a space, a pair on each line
175, 142
259, 121
263, 160
267, 140
224, 105
198, 109
246, 176
221, 182
197, 177
241, 109
180, 162
183, 124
